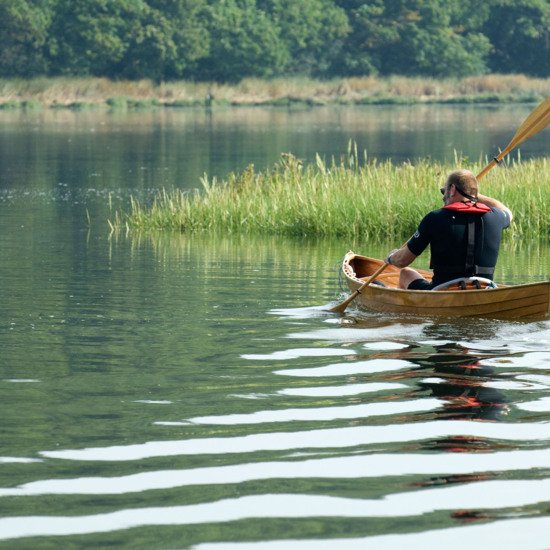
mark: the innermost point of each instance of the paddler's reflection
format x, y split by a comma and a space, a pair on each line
464, 386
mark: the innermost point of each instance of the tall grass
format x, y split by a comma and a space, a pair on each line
67, 91
349, 197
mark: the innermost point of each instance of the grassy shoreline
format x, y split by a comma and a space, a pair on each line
347, 198
89, 93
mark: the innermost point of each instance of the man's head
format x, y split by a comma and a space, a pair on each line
460, 185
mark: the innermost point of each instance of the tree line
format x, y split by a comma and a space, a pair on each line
228, 40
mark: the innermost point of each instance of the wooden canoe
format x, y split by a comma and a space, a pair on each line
503, 302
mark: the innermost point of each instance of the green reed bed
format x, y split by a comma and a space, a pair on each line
346, 198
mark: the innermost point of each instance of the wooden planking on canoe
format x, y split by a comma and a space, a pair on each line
479, 303
505, 311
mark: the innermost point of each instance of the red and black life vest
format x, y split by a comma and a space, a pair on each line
473, 209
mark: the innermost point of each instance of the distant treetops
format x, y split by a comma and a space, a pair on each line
228, 40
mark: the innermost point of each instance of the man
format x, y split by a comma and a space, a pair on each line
464, 236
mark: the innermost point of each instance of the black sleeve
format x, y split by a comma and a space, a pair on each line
422, 237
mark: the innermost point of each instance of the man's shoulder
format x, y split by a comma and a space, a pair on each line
436, 214
501, 215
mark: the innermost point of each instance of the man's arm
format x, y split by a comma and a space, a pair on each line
493, 203
400, 257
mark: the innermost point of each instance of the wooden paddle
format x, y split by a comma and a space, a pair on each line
533, 124
340, 308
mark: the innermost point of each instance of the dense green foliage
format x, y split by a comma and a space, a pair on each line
227, 40
371, 200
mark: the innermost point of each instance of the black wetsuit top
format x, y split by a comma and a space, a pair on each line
446, 231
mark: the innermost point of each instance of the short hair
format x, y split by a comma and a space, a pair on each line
464, 180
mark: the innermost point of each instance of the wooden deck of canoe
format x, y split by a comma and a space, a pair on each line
503, 302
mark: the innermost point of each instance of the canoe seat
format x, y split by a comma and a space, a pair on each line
466, 283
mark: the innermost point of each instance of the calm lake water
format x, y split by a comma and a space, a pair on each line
178, 391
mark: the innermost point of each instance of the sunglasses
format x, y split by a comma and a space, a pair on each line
469, 197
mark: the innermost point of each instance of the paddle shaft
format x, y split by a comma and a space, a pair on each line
340, 308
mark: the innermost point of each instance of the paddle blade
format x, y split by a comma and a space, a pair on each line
341, 307
534, 123
537, 121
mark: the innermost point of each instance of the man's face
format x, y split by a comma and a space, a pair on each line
446, 193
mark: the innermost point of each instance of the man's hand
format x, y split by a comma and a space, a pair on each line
400, 257
388, 257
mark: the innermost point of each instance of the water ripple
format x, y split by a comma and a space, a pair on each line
501, 494
340, 391
539, 405
370, 366
321, 413
531, 360
527, 534
333, 438
347, 467
297, 353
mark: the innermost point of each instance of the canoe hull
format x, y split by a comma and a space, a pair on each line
505, 302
